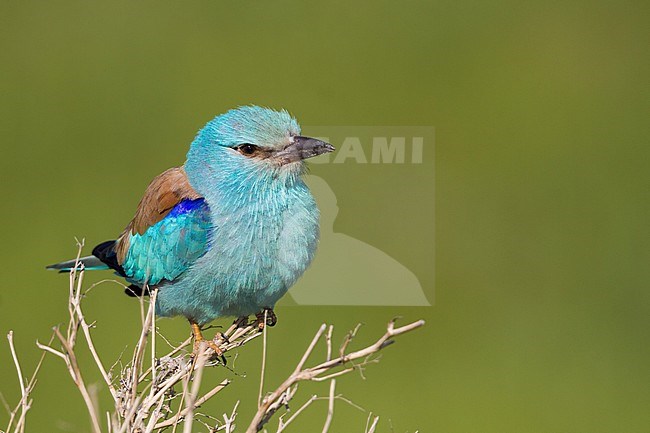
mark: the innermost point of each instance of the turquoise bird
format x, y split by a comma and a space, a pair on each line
228, 232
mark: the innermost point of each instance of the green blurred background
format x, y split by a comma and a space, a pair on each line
541, 317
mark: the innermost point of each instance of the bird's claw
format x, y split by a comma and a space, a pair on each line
218, 351
269, 315
198, 339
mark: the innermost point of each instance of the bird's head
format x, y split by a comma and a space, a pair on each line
251, 143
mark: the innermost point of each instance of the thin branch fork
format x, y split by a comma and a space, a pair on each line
25, 390
281, 395
139, 409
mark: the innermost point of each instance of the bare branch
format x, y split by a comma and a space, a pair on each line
330, 407
310, 349
282, 394
373, 426
191, 398
282, 425
263, 369
182, 414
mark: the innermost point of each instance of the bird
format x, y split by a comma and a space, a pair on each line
228, 232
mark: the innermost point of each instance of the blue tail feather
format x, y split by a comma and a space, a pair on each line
90, 263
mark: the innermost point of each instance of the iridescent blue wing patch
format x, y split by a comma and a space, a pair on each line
169, 247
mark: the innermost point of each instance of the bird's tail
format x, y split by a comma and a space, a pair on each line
90, 263
104, 257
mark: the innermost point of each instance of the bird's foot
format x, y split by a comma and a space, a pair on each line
210, 343
198, 339
269, 315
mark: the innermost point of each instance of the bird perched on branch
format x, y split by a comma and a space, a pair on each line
228, 232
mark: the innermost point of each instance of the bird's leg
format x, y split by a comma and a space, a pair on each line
271, 319
198, 338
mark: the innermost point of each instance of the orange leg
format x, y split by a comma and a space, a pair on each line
198, 338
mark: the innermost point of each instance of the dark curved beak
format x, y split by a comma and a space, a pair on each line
303, 148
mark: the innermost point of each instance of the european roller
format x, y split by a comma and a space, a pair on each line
228, 232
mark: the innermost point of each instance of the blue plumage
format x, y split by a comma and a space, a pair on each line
260, 244
169, 247
231, 230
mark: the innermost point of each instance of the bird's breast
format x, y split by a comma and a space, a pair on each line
264, 246
257, 250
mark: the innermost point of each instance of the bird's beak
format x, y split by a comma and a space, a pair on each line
303, 148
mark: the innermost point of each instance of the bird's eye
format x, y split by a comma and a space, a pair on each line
247, 149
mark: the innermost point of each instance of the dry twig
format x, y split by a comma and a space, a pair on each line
143, 395
144, 392
283, 394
